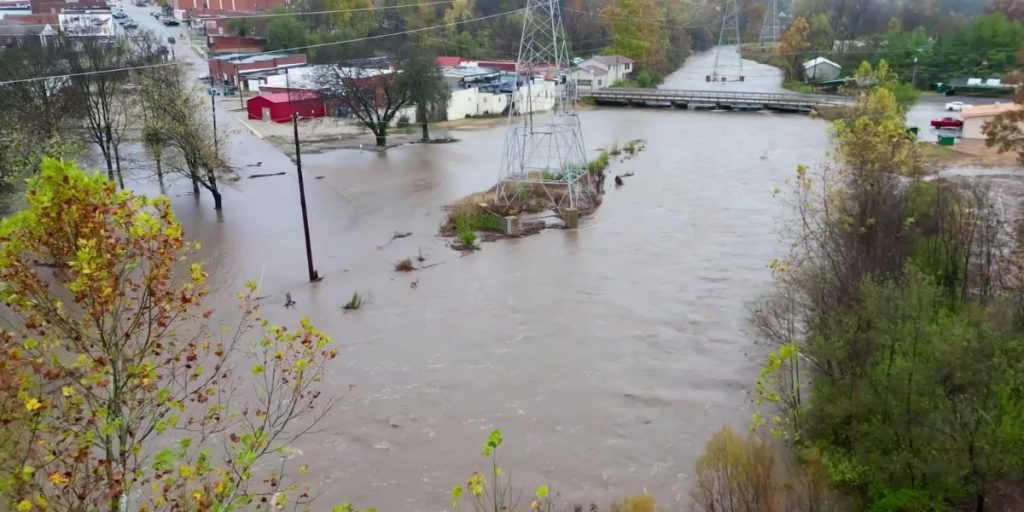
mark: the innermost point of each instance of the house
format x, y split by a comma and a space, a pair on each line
29, 30
976, 117
821, 69
227, 68
279, 107
590, 77
601, 71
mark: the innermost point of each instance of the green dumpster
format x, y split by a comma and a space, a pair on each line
912, 129
946, 140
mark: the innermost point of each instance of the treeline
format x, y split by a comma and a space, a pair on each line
898, 374
658, 34
72, 97
925, 42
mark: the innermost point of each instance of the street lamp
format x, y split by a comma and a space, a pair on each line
313, 275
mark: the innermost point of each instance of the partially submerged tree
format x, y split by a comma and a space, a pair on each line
176, 119
374, 96
110, 356
421, 80
99, 84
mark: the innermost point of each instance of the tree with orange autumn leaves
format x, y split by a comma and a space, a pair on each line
116, 392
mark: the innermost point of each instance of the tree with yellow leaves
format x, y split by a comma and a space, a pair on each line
795, 41
108, 348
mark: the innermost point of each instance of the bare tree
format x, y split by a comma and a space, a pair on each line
99, 84
374, 96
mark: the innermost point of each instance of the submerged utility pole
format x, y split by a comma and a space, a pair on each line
213, 115
313, 275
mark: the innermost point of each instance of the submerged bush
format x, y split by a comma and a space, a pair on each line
638, 503
737, 474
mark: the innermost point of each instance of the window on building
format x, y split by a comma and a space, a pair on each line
599, 82
628, 66
584, 83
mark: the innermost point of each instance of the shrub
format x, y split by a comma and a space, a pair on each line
647, 78
464, 231
615, 151
638, 503
600, 163
355, 302
404, 266
737, 474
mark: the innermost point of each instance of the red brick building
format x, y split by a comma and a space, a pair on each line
56, 6
227, 5
226, 68
234, 44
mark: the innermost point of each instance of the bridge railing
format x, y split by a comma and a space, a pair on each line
718, 96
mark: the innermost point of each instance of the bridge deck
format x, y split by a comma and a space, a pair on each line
719, 98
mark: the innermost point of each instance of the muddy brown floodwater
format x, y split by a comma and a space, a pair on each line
607, 355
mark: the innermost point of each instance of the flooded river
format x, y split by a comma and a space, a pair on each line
607, 355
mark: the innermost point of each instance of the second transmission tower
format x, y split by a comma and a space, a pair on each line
728, 36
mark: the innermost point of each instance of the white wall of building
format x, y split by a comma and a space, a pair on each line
542, 97
472, 102
973, 127
586, 80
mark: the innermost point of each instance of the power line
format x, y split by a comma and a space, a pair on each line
271, 52
289, 13
86, 73
312, 13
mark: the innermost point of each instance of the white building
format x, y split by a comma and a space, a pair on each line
821, 69
976, 117
473, 102
601, 71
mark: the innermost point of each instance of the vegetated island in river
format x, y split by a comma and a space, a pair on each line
537, 204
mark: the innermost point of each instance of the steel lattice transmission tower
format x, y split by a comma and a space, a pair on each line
729, 35
544, 151
770, 30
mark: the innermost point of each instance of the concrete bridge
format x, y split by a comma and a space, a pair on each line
728, 100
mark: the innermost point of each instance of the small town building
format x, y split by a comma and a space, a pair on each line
58, 6
228, 68
87, 22
279, 107
247, 6
589, 77
821, 69
233, 44
601, 71
976, 117
29, 30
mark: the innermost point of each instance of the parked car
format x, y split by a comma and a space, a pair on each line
131, 25
119, 15
948, 122
171, 22
956, 106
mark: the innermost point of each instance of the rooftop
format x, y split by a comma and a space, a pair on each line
612, 60
820, 60
285, 97
989, 110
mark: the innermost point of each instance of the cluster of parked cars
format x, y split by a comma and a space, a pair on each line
123, 20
